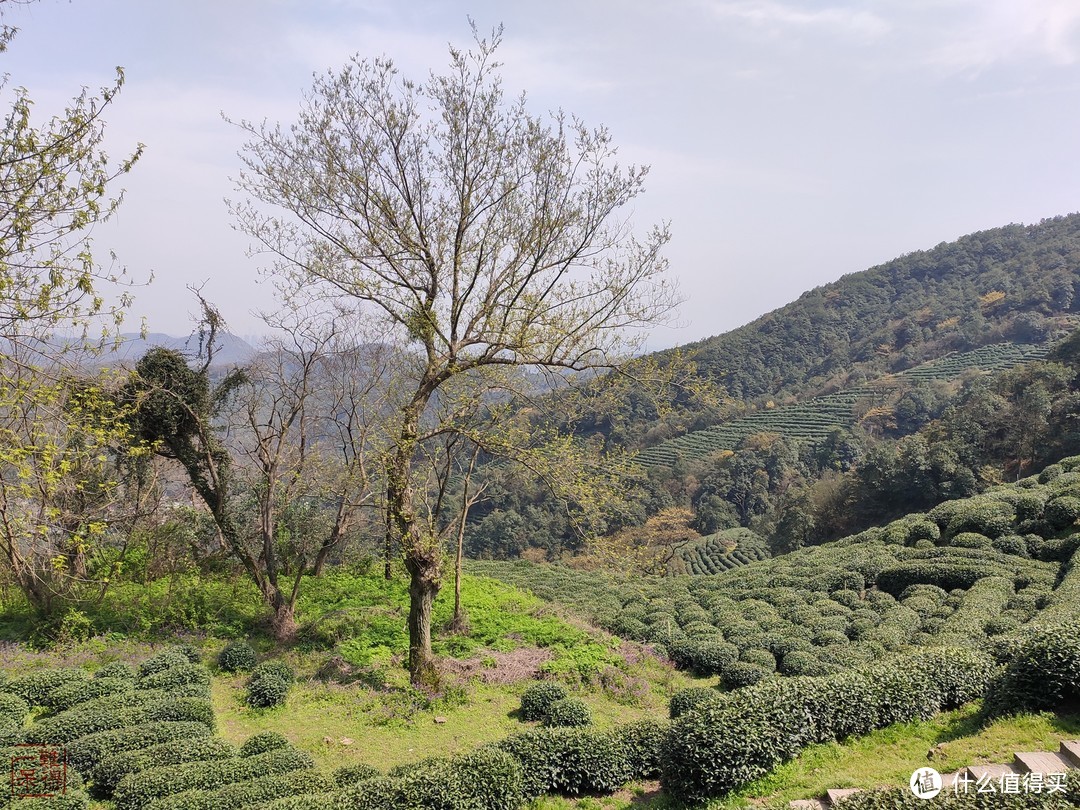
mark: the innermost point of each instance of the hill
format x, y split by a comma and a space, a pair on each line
1011, 283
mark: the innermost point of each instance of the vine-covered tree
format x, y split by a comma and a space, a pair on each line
481, 235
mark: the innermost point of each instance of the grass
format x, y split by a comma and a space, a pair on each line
393, 724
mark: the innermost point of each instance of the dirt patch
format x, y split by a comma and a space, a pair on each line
493, 667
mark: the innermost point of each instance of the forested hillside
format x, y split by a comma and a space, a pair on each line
1002, 284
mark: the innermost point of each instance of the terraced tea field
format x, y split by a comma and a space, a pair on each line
815, 419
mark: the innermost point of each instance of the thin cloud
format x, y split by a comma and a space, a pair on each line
774, 16
992, 32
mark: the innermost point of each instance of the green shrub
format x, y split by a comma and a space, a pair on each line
184, 708
266, 690
1049, 473
33, 773
742, 673
137, 790
237, 656
644, 741
570, 761
278, 669
165, 659
798, 662
35, 686
1043, 674
11, 732
13, 708
490, 779
116, 669
348, 775
720, 748
238, 794
692, 699
1000, 625
86, 752
111, 769
1029, 506
762, 658
708, 657
971, 540
262, 742
1011, 544
1062, 512
538, 698
570, 712
824, 638
175, 676
922, 529
71, 694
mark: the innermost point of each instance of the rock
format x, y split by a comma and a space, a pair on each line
440, 720
345, 741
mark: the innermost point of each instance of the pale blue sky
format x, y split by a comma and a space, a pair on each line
791, 141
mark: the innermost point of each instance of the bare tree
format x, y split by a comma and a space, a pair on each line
277, 451
482, 237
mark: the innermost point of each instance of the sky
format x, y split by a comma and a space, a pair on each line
790, 141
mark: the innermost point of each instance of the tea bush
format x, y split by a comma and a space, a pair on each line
86, 752
538, 699
262, 742
721, 747
137, 790
570, 712
237, 794
112, 768
237, 656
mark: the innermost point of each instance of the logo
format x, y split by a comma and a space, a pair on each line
38, 772
925, 783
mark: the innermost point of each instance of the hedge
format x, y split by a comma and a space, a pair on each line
137, 790
262, 742
184, 708
486, 779
88, 751
570, 712
237, 656
75, 797
35, 686
348, 775
166, 659
538, 698
719, 748
266, 690
1043, 673
72, 694
277, 668
116, 669
176, 676
570, 761
139, 697
904, 799
741, 674
692, 699
110, 770
238, 794
13, 708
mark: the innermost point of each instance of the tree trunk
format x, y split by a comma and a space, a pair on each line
423, 587
283, 619
459, 624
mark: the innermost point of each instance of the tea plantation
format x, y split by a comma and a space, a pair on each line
973, 601
814, 419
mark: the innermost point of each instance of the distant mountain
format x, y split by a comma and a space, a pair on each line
229, 350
